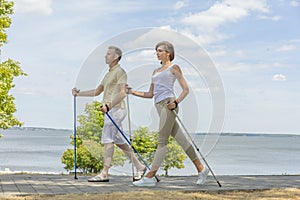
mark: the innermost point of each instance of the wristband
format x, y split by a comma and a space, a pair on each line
176, 103
107, 107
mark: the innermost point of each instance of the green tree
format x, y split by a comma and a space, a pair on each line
6, 9
8, 70
174, 156
91, 123
145, 142
90, 153
85, 161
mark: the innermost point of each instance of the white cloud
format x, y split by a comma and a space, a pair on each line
273, 18
218, 53
294, 3
144, 55
88, 9
279, 77
206, 23
179, 4
33, 6
289, 47
233, 66
244, 66
221, 52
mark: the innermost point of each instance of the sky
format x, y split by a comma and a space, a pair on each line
254, 46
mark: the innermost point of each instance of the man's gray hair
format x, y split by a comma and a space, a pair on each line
117, 51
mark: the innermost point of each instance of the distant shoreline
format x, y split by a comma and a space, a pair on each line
37, 129
222, 134
39, 149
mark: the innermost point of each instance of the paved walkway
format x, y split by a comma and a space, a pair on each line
30, 184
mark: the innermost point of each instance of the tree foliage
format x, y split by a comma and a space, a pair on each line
90, 152
8, 70
91, 123
6, 9
174, 156
86, 162
145, 142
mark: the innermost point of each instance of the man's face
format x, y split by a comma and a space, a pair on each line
110, 56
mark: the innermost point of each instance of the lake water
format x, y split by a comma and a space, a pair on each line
234, 154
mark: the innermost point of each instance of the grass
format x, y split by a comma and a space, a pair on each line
272, 194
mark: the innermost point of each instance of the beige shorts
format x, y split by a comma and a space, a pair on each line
110, 133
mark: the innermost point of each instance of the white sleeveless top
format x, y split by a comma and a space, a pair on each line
163, 84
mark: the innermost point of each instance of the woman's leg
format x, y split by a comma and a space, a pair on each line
186, 145
165, 125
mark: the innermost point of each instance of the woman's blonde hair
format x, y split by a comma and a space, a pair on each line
168, 47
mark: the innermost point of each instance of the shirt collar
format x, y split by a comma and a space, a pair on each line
114, 67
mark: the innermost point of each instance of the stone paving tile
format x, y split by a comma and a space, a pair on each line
27, 184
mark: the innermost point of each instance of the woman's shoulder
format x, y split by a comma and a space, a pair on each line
155, 70
175, 67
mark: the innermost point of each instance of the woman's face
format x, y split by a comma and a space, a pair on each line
162, 54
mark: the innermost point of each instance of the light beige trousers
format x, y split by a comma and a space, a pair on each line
169, 126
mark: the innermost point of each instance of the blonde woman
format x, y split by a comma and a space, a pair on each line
162, 89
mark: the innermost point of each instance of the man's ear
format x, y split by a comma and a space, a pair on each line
116, 56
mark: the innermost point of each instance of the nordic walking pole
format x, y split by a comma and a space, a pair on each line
178, 119
111, 119
75, 164
130, 138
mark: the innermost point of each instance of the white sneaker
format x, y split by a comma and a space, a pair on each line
145, 182
202, 176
